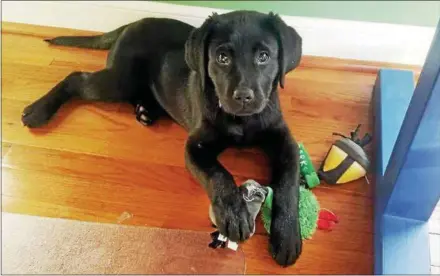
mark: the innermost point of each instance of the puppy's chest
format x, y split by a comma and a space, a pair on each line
240, 134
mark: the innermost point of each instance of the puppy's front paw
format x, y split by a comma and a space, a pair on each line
233, 218
285, 240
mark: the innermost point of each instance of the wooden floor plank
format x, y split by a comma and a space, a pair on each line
315, 260
108, 130
40, 31
5, 149
94, 162
46, 54
44, 175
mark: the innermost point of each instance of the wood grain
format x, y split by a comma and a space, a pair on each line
5, 149
94, 162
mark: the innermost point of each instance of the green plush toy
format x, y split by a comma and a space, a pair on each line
308, 212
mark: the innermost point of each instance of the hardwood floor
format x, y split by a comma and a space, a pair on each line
94, 161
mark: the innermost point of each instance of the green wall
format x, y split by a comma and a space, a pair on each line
418, 13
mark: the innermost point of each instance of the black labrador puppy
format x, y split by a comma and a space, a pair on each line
220, 82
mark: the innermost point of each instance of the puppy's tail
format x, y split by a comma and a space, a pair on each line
102, 42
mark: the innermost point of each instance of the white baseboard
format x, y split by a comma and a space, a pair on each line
322, 37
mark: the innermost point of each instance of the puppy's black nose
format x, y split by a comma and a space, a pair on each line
243, 95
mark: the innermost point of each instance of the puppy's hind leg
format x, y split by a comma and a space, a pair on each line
100, 86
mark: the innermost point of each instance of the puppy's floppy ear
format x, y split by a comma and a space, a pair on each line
196, 48
290, 46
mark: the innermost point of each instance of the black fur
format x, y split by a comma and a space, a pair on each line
218, 81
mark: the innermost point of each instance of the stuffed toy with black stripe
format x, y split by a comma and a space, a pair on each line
346, 160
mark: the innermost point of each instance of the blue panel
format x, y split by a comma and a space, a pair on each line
408, 185
396, 89
405, 246
392, 95
401, 244
414, 166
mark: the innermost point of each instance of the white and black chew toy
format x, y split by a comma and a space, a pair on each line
254, 194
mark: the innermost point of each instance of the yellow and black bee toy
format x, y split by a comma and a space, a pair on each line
346, 160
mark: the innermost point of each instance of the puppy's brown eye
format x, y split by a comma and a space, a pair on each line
223, 59
263, 57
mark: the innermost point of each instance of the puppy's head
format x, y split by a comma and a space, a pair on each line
243, 55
